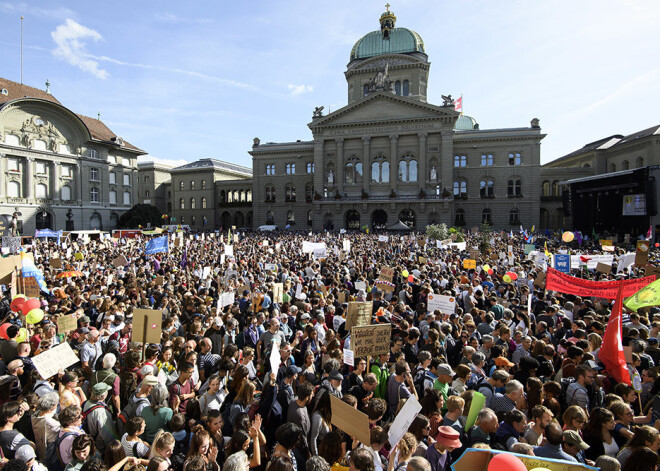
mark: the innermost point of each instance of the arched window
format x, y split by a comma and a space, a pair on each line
181, 186
397, 87
486, 189
192, 203
248, 196
270, 194
182, 204
42, 191
459, 217
14, 190
515, 158
290, 193
309, 192
192, 185
407, 169
95, 221
639, 162
555, 188
203, 202
625, 165
486, 216
460, 189
460, 161
514, 187
310, 167
290, 169
353, 171
94, 195
270, 219
612, 167
380, 170
65, 193
486, 160
514, 216
309, 218
235, 196
290, 217
545, 188
406, 88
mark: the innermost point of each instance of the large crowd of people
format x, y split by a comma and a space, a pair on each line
208, 397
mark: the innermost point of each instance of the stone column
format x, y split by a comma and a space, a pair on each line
79, 180
339, 174
422, 176
366, 154
29, 178
447, 159
55, 181
394, 168
3, 176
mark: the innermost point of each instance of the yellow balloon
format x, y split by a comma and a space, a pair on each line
567, 236
22, 335
19, 296
507, 278
486, 267
34, 316
404, 273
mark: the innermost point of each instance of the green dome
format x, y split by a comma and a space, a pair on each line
401, 41
466, 123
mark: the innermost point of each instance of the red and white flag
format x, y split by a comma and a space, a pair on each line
458, 104
611, 350
649, 233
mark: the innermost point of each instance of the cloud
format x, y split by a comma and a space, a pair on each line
70, 39
27, 10
172, 19
172, 162
300, 89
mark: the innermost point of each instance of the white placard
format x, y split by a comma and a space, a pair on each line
309, 247
605, 259
206, 273
320, 253
446, 304
346, 244
271, 266
265, 243
226, 299
58, 358
361, 285
275, 357
403, 420
383, 238
349, 358
229, 250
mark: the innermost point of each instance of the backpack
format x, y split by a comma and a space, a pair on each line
53, 460
128, 412
563, 399
482, 384
85, 414
178, 457
418, 382
128, 382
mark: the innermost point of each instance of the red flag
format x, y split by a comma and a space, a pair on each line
611, 351
458, 104
649, 233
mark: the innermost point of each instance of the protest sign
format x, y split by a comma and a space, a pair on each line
371, 340
12, 243
270, 267
446, 304
359, 313
346, 245
604, 242
319, 254
341, 297
349, 358
539, 282
602, 268
31, 287
229, 250
67, 323
527, 248
147, 323
422, 260
57, 358
383, 238
349, 420
120, 262
474, 254
469, 264
563, 263
278, 291
651, 270
309, 247
159, 281
55, 262
361, 285
386, 273
642, 252
591, 260
403, 420
227, 299
557, 281
78, 256
628, 354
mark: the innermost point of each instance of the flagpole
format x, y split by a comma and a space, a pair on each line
462, 105
21, 50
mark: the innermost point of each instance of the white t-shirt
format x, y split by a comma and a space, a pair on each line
139, 446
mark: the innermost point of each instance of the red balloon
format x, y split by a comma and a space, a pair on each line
506, 462
17, 304
657, 244
490, 272
32, 303
3, 330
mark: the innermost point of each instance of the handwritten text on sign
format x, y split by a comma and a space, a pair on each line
371, 340
359, 313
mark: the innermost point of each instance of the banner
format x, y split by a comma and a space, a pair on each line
557, 281
309, 247
647, 296
157, 245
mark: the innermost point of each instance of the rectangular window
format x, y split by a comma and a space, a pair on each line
515, 158
127, 198
126, 162
12, 165
113, 178
146, 193
94, 195
66, 170
41, 168
112, 197
112, 159
127, 180
93, 153
94, 174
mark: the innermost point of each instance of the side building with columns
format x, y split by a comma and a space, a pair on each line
59, 169
390, 156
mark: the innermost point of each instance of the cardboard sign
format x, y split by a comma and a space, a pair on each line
55, 262
469, 264
386, 273
652, 270
601, 267
227, 299
539, 282
229, 250
341, 297
270, 267
359, 313
31, 287
8, 265
371, 340
642, 252
159, 281
361, 285
349, 420
153, 321
120, 261
66, 324
404, 420
627, 353
55, 359
278, 293
474, 254
422, 260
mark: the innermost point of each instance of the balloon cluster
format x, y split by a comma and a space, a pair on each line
30, 308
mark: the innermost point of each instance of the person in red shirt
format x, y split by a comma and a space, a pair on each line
183, 387
123, 336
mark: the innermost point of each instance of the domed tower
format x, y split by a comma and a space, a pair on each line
397, 52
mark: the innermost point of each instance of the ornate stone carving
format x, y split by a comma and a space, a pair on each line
318, 112
447, 100
381, 82
535, 123
255, 142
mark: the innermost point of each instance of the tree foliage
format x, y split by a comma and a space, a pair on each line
484, 238
140, 215
442, 232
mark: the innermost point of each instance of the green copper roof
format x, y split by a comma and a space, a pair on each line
401, 41
465, 123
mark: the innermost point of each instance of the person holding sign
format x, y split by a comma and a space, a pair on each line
399, 386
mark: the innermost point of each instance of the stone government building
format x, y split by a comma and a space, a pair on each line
388, 155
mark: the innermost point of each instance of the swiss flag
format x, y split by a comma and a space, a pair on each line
458, 104
611, 350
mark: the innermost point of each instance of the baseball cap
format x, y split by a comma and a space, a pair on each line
502, 361
445, 369
25, 453
150, 380
292, 371
100, 388
305, 316
85, 319
336, 375
573, 438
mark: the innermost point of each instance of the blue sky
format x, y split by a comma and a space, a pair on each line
187, 80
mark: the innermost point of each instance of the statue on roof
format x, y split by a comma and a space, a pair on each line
381, 81
447, 100
318, 112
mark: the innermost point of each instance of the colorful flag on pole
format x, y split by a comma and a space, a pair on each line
29, 269
159, 244
647, 296
458, 105
547, 254
649, 233
611, 350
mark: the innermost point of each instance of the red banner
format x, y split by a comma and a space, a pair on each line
563, 283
